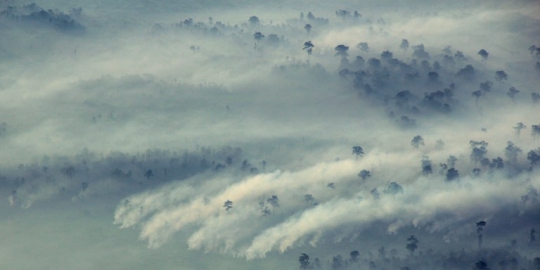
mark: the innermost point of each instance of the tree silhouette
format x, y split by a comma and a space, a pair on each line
534, 157
304, 261
479, 229
451, 160
420, 53
358, 151
364, 174
258, 36
354, 256
481, 265
308, 28
452, 174
512, 151
254, 20
404, 45
501, 76
341, 50
485, 87
417, 141
363, 46
412, 244
478, 150
535, 131
228, 205
308, 46
148, 174
519, 126
466, 73
426, 165
394, 189
484, 54
512, 92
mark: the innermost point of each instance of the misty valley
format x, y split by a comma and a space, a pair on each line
269, 135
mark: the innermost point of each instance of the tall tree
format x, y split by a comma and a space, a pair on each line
308, 28
484, 54
412, 244
358, 151
519, 126
479, 229
308, 46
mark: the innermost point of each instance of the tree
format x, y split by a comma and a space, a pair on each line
512, 91
228, 205
404, 45
258, 36
478, 150
308, 46
484, 54
337, 262
304, 261
534, 157
394, 189
426, 165
341, 50
254, 20
519, 126
342, 13
358, 151
274, 201
466, 73
535, 131
500, 76
420, 53
480, 265
308, 28
148, 174
452, 174
512, 151
479, 229
451, 160
364, 174
486, 87
460, 56
497, 163
412, 244
354, 256
363, 46
417, 141
532, 49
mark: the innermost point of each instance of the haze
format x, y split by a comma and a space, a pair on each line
269, 134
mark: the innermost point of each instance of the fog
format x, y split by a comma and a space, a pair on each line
269, 134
